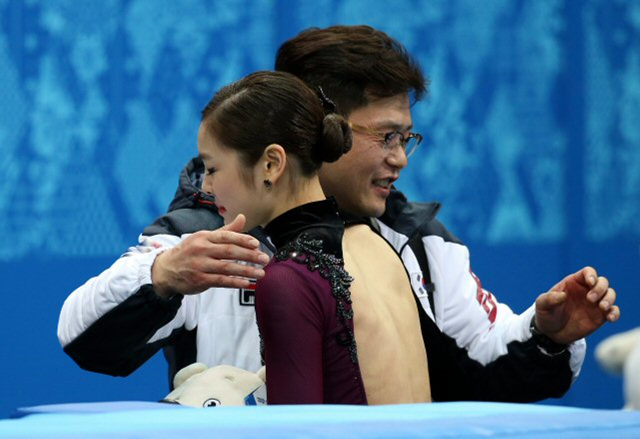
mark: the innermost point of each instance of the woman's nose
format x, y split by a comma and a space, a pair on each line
207, 185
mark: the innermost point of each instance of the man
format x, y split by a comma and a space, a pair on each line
477, 349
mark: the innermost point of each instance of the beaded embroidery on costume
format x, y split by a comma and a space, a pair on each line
305, 250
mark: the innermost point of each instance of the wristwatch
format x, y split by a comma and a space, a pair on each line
544, 343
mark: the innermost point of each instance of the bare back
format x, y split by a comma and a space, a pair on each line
391, 352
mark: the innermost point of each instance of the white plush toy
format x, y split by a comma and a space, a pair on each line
198, 385
620, 354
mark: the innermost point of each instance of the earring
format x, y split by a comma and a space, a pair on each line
268, 184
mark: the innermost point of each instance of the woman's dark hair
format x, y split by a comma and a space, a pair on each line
276, 107
352, 64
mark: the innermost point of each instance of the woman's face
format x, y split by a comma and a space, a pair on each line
233, 193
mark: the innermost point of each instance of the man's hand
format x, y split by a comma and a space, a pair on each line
576, 306
208, 259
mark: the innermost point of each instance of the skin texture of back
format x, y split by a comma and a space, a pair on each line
391, 353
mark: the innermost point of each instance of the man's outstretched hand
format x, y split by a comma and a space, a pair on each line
576, 306
209, 259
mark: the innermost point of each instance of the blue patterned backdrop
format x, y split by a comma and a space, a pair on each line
533, 127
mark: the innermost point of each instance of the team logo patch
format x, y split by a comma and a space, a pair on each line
420, 283
248, 295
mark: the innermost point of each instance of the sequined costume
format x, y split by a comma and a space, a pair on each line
304, 313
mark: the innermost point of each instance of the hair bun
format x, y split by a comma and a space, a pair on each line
336, 138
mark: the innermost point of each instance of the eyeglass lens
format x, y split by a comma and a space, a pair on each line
396, 138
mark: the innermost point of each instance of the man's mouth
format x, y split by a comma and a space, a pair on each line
384, 183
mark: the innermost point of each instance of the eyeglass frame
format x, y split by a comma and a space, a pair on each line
404, 140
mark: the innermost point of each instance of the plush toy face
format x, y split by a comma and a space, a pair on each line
620, 353
632, 378
199, 386
613, 351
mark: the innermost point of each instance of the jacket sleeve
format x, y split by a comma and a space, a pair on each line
115, 322
471, 315
523, 374
502, 361
489, 349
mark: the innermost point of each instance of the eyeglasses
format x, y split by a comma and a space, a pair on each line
390, 140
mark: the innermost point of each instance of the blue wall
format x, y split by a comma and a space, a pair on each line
533, 126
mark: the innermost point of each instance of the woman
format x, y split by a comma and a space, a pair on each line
263, 140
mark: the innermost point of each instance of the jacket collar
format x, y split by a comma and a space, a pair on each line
189, 193
407, 217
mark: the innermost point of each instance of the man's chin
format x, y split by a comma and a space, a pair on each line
377, 213
377, 206
372, 207
372, 210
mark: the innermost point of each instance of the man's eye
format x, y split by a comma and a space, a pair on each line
211, 171
393, 138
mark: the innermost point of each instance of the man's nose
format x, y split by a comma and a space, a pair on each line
397, 157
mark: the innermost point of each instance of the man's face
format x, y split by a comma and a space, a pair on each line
361, 179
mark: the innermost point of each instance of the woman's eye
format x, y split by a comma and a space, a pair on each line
211, 171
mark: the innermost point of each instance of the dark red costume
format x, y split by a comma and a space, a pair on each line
304, 313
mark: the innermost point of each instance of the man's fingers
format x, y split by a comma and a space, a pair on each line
608, 300
550, 299
225, 244
225, 252
222, 281
230, 268
598, 290
614, 314
237, 225
590, 275
221, 236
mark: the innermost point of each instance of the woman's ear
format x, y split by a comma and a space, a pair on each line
274, 162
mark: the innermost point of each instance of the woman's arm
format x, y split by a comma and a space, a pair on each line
291, 322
